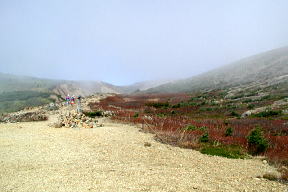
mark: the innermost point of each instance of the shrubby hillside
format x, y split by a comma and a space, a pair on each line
17, 100
269, 67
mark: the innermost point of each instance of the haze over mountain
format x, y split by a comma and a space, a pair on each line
17, 92
128, 41
261, 70
270, 67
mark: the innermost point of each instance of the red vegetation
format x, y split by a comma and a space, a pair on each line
169, 123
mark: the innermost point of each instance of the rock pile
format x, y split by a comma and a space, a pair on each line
52, 107
76, 120
24, 116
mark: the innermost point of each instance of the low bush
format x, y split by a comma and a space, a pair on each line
193, 128
268, 113
234, 114
237, 96
265, 97
190, 128
158, 105
204, 138
233, 152
228, 132
247, 101
94, 114
251, 106
256, 141
136, 115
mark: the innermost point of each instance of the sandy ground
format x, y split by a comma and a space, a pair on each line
36, 157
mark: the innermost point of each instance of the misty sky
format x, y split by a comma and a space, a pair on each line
125, 41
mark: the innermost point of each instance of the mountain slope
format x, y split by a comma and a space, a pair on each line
18, 92
267, 66
10, 83
142, 86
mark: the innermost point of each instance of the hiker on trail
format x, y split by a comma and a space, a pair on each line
72, 100
79, 109
67, 99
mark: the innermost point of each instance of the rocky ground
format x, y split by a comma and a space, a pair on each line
36, 156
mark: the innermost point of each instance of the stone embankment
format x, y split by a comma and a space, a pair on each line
24, 116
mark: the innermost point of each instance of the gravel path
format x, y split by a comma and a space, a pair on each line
35, 157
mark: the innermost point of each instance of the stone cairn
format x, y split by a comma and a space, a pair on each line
76, 120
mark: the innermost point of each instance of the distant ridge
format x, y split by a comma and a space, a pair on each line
265, 66
18, 92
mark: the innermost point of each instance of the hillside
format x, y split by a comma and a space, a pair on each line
9, 83
269, 67
142, 86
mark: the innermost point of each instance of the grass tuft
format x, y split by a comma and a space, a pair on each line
232, 152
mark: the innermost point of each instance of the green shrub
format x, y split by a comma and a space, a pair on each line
230, 106
193, 128
208, 109
190, 128
233, 152
136, 115
251, 106
228, 132
161, 115
257, 142
94, 114
203, 128
247, 101
184, 104
158, 105
204, 138
265, 97
176, 105
234, 114
237, 96
203, 103
268, 113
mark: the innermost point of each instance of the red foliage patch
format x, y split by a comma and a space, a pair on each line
173, 127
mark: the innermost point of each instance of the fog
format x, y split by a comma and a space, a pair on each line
122, 42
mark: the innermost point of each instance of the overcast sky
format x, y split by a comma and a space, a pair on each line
125, 41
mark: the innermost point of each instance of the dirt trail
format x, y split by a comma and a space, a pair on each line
36, 157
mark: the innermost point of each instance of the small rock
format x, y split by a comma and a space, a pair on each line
58, 125
147, 144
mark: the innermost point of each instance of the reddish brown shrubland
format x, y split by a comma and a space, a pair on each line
171, 128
